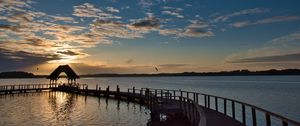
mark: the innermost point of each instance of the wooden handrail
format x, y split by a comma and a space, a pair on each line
267, 113
187, 96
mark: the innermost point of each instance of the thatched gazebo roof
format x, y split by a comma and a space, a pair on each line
71, 75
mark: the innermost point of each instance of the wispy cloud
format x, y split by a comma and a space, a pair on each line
62, 18
145, 3
283, 49
172, 11
197, 28
90, 10
275, 58
275, 19
226, 17
117, 29
145, 24
112, 9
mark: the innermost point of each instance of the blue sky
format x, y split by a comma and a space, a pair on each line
115, 36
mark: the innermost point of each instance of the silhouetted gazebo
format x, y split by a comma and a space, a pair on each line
71, 75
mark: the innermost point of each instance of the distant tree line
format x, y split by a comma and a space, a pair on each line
16, 74
21, 74
221, 73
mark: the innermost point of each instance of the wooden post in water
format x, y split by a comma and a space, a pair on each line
133, 90
118, 92
107, 92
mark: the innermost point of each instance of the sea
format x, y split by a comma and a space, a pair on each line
278, 94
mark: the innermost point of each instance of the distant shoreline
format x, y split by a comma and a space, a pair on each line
285, 72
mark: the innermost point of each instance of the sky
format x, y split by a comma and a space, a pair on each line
135, 36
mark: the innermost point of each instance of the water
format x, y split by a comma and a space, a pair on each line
279, 94
62, 109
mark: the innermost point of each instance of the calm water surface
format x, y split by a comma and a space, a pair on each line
279, 94
62, 109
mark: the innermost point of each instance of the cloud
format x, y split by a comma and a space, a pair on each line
148, 23
117, 29
224, 18
173, 65
176, 14
9, 27
197, 29
278, 19
166, 32
145, 3
275, 58
14, 5
172, 11
61, 18
18, 60
111, 9
270, 20
281, 50
91, 11
241, 24
69, 52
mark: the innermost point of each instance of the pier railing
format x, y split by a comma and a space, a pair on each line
189, 107
38, 87
190, 103
216, 102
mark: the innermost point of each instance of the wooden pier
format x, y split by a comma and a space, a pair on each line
169, 107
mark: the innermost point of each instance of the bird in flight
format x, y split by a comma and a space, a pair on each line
156, 68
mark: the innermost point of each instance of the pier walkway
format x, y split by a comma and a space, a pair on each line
173, 107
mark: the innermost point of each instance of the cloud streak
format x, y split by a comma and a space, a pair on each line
91, 11
270, 20
276, 58
224, 18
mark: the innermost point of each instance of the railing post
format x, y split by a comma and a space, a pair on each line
268, 120
194, 96
205, 101
284, 123
168, 95
161, 95
187, 95
233, 109
174, 94
254, 117
208, 101
180, 94
216, 103
244, 114
225, 107
197, 100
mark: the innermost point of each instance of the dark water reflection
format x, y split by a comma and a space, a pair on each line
58, 108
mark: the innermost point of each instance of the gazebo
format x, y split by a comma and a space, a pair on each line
71, 75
